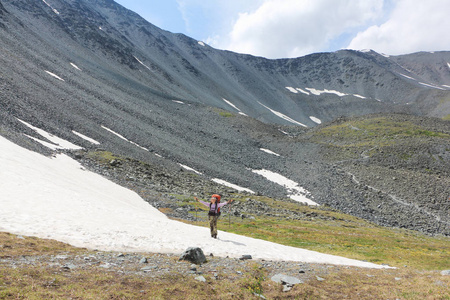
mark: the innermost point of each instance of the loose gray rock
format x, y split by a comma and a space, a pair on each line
69, 267
285, 279
244, 257
287, 287
194, 255
320, 278
445, 272
149, 268
200, 278
143, 260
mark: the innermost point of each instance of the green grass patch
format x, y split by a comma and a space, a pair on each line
371, 243
332, 232
103, 156
226, 114
223, 113
375, 131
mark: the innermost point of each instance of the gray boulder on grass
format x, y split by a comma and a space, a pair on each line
194, 255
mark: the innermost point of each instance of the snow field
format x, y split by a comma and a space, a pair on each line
56, 198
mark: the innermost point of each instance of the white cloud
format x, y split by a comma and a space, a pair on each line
413, 26
209, 20
291, 28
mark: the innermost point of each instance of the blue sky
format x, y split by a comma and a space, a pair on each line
293, 28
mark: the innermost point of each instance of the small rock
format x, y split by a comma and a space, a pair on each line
200, 278
121, 255
243, 257
149, 268
114, 163
259, 295
439, 283
105, 266
143, 260
445, 273
287, 287
320, 278
302, 271
69, 267
285, 279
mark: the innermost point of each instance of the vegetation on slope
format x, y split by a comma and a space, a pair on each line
418, 259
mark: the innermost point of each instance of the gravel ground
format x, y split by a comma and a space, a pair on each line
162, 265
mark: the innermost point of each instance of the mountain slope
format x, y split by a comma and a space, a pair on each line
98, 69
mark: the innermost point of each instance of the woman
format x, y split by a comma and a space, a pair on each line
214, 212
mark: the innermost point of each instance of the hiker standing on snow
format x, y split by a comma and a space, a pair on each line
214, 212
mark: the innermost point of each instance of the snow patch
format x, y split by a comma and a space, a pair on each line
231, 104
292, 90
269, 151
54, 10
284, 132
231, 185
297, 193
325, 91
92, 141
123, 138
359, 96
58, 143
44, 143
409, 77
75, 66
302, 91
283, 116
234, 106
314, 91
54, 75
316, 120
448, 64
431, 86
201, 43
62, 201
190, 169
142, 63
177, 101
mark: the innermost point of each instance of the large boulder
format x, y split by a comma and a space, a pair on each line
194, 255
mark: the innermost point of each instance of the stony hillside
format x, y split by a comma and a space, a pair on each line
166, 100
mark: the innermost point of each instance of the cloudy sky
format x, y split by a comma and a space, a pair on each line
293, 28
